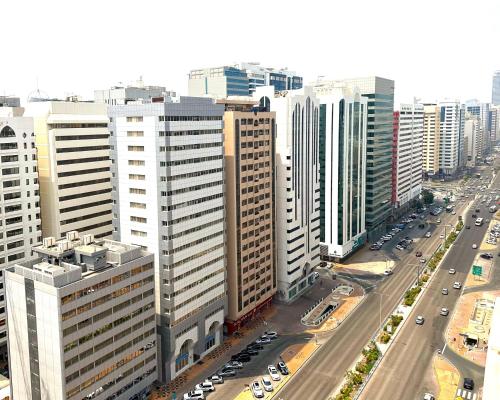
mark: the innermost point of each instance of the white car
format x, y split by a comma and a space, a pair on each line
194, 395
257, 389
388, 272
428, 235
205, 386
474, 246
441, 236
273, 372
444, 312
263, 340
271, 334
234, 364
217, 379
267, 384
457, 285
451, 271
429, 396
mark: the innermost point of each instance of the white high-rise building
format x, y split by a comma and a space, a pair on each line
472, 131
342, 150
20, 224
125, 94
297, 186
449, 135
81, 321
281, 79
72, 141
431, 140
407, 153
168, 197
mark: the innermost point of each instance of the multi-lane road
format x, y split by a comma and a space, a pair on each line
326, 369
401, 375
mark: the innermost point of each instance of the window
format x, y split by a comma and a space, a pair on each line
138, 233
135, 148
137, 205
7, 131
138, 219
136, 177
136, 191
136, 163
6, 159
134, 119
135, 133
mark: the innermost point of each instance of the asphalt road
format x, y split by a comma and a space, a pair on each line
326, 369
401, 374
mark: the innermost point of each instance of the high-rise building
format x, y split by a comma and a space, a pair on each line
431, 140
281, 79
482, 112
218, 82
249, 138
449, 135
81, 321
380, 93
407, 154
72, 141
126, 94
9, 101
495, 89
495, 124
168, 197
20, 224
342, 155
472, 130
297, 186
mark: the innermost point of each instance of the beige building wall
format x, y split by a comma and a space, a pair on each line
73, 151
431, 139
251, 269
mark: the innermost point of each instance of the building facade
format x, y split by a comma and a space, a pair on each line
218, 82
281, 79
249, 145
407, 154
431, 140
168, 197
125, 94
472, 130
380, 94
342, 152
81, 320
495, 89
449, 135
72, 142
20, 223
297, 186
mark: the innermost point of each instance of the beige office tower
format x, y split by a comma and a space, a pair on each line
81, 321
72, 142
431, 140
249, 164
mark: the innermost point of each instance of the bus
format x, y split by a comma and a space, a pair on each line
479, 222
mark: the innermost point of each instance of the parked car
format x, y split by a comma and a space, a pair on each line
234, 365
273, 372
267, 384
486, 255
206, 386
257, 389
429, 396
216, 379
263, 340
457, 285
388, 272
399, 247
194, 395
428, 234
283, 368
474, 246
255, 346
452, 271
419, 320
444, 312
418, 254
271, 334
227, 372
251, 351
444, 291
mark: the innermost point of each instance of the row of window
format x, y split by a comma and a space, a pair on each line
190, 147
191, 132
192, 216
194, 270
194, 243
194, 284
191, 188
191, 174
192, 230
189, 161
170, 118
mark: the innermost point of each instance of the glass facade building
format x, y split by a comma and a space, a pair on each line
495, 89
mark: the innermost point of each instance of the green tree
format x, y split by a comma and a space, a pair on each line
427, 196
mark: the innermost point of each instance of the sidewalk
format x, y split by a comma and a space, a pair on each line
447, 377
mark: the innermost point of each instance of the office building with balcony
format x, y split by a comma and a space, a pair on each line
431, 140
280, 79
449, 137
495, 89
297, 186
81, 321
249, 145
72, 142
168, 198
342, 151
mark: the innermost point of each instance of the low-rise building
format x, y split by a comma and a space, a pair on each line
81, 321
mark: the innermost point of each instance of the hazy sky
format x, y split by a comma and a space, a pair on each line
432, 48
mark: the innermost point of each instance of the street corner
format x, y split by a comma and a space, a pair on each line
296, 355
447, 378
480, 272
469, 326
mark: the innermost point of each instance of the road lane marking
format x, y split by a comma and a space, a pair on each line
474, 397
469, 395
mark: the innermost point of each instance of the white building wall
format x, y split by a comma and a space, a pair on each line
297, 187
409, 153
449, 136
430, 142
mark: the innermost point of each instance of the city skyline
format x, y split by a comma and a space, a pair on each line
89, 60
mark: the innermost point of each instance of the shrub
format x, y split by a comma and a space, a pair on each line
385, 337
411, 295
396, 320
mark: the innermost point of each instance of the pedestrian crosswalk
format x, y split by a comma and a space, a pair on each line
466, 394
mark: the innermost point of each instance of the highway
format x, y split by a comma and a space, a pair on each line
401, 374
326, 369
